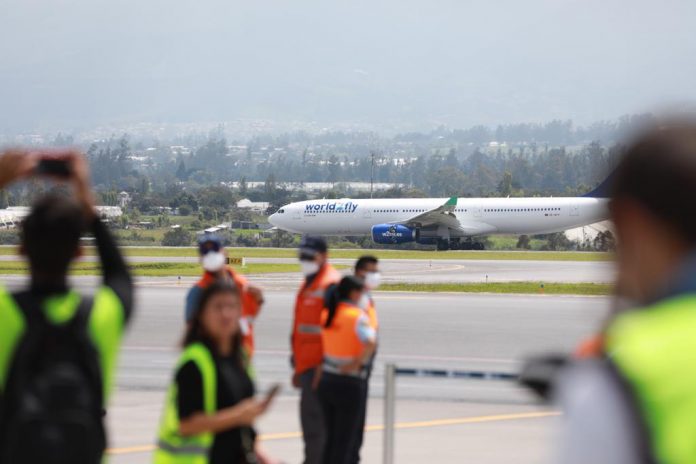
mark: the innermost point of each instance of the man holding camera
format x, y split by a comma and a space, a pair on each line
58, 349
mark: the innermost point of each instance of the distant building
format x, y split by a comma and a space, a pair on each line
109, 212
256, 206
123, 199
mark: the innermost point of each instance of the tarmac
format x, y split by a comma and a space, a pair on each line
446, 419
442, 419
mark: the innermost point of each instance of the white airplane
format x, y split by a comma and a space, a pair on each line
448, 223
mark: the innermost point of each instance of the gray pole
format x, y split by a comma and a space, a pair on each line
372, 174
389, 412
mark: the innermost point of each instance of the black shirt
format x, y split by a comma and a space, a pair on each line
234, 385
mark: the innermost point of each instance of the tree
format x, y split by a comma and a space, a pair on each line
524, 242
505, 185
181, 172
558, 241
270, 188
177, 237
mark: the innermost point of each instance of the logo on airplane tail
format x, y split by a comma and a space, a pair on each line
337, 206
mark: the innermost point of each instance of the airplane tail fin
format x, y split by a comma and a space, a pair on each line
603, 190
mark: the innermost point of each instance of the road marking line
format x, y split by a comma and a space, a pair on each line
375, 428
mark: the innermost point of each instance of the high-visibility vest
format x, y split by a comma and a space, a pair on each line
306, 333
250, 306
105, 328
654, 351
341, 342
172, 447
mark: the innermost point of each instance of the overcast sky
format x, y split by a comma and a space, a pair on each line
65, 63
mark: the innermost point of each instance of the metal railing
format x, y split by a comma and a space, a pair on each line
390, 374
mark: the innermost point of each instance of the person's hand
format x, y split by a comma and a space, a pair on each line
248, 410
256, 293
317, 378
16, 164
296, 380
79, 177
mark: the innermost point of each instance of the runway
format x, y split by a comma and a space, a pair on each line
418, 330
431, 271
442, 419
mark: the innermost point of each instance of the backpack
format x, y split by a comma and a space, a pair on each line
53, 407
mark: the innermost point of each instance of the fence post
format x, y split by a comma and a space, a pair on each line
389, 412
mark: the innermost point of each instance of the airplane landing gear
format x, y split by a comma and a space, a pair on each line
443, 245
456, 244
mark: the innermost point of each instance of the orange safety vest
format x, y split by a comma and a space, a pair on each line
341, 342
306, 331
250, 306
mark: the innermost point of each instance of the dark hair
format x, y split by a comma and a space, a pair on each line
51, 234
365, 261
339, 293
659, 171
194, 331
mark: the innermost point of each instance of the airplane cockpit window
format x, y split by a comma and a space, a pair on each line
281, 211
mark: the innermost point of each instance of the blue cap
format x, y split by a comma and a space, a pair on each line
209, 242
311, 245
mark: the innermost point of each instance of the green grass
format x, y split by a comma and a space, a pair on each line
353, 254
584, 288
156, 269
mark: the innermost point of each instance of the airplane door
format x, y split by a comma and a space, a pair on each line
575, 209
477, 211
296, 215
367, 214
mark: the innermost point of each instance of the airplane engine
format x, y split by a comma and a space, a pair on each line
393, 234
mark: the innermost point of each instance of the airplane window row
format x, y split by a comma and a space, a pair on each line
521, 210
396, 210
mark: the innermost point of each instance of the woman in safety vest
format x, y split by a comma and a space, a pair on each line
210, 408
349, 341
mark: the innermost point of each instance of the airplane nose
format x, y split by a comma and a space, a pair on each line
272, 219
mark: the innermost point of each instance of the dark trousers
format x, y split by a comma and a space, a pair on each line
363, 416
341, 397
312, 420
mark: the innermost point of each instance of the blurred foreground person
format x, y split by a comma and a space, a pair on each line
349, 343
58, 349
637, 403
213, 258
367, 269
210, 408
307, 352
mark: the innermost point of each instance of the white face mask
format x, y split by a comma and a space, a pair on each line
372, 280
309, 267
213, 261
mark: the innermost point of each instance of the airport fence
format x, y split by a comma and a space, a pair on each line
392, 372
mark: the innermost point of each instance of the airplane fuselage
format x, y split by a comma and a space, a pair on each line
477, 216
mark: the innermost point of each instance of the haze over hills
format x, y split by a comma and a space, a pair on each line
404, 65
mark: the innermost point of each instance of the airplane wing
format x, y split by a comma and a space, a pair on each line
444, 216
439, 215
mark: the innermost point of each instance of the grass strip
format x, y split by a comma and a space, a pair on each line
154, 269
546, 288
156, 252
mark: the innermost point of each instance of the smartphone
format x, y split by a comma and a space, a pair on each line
53, 167
272, 392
